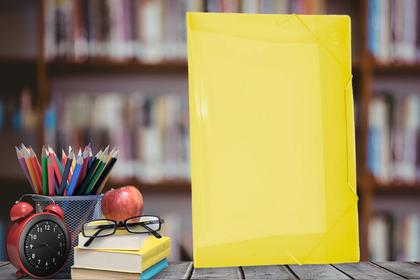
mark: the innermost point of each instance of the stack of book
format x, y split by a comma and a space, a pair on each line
120, 256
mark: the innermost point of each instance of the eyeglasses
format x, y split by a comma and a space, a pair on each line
105, 227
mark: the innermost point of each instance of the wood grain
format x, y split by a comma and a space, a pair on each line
366, 270
267, 272
317, 271
363, 270
405, 269
7, 272
217, 273
176, 271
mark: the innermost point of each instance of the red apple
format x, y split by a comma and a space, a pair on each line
122, 203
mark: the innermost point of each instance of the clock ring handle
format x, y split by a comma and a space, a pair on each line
37, 195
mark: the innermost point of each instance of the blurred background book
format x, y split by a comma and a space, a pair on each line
115, 72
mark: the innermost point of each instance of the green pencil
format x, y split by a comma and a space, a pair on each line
44, 164
95, 178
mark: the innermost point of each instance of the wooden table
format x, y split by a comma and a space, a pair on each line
363, 270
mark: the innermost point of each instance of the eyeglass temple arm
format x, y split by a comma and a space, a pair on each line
155, 233
87, 243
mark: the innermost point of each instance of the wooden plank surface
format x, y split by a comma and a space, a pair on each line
185, 270
366, 270
317, 271
176, 271
267, 272
406, 269
7, 271
217, 273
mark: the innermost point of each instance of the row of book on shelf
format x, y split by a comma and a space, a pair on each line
17, 113
394, 137
394, 30
149, 30
394, 237
152, 131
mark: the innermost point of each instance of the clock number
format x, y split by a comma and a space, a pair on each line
47, 227
33, 255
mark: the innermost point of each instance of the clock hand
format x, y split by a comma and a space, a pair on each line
38, 245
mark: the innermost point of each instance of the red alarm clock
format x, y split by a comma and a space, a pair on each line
37, 243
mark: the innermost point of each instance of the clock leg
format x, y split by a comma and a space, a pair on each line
20, 274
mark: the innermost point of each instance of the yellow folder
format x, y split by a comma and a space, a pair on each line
272, 139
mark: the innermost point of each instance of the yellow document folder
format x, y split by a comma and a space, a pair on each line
272, 139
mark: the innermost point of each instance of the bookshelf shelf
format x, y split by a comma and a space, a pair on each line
397, 188
8, 61
104, 66
396, 68
164, 186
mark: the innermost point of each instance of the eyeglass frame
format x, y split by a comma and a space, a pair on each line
123, 224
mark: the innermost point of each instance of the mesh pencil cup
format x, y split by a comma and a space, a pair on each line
77, 211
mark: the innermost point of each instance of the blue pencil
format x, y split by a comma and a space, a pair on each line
75, 177
56, 185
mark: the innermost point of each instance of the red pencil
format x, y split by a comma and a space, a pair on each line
51, 187
57, 171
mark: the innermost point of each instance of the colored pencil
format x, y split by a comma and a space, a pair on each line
95, 178
90, 158
51, 180
56, 164
90, 173
75, 177
44, 171
36, 169
63, 157
22, 163
99, 185
63, 184
82, 174
85, 157
73, 163
31, 170
56, 185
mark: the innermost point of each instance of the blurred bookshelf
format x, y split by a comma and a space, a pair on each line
103, 66
147, 38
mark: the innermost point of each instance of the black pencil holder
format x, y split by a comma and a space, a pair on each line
77, 211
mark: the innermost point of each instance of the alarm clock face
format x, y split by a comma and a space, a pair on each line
44, 245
